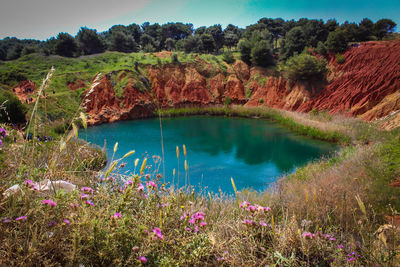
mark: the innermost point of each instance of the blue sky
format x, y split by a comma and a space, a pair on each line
41, 19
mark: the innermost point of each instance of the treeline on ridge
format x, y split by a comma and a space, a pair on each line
257, 43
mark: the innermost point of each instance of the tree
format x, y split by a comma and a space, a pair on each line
384, 27
261, 54
3, 53
305, 67
169, 44
192, 44
217, 34
146, 40
230, 39
15, 51
228, 57
90, 42
314, 32
331, 25
336, 42
208, 43
295, 42
66, 45
350, 31
123, 42
244, 47
365, 30
321, 48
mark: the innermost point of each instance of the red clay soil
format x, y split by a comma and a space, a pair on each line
367, 84
24, 90
77, 85
370, 73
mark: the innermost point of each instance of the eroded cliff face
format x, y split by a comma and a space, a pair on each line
366, 85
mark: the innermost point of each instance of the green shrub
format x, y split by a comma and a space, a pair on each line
321, 48
340, 59
174, 59
261, 54
305, 67
227, 101
228, 57
11, 109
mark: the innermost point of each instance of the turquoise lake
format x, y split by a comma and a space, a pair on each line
254, 152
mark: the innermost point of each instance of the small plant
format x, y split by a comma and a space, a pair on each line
261, 101
174, 58
227, 101
340, 59
228, 57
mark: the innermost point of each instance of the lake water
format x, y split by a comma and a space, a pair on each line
254, 152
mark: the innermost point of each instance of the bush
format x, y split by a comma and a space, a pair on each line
321, 48
340, 59
174, 59
228, 57
336, 42
11, 109
305, 67
261, 54
227, 101
244, 46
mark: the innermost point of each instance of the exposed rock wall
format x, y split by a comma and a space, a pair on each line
366, 85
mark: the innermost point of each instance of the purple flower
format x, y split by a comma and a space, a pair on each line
332, 239
158, 234
202, 224
263, 224
3, 132
66, 221
143, 259
6, 220
188, 229
340, 246
52, 223
244, 204
89, 203
350, 259
49, 202
252, 208
29, 183
184, 216
84, 196
308, 235
247, 222
140, 187
117, 215
151, 184
21, 218
129, 182
87, 190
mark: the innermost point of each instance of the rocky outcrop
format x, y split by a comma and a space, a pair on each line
24, 91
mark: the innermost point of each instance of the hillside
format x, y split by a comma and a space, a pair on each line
135, 85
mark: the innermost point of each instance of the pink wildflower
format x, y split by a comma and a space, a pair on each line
184, 216
140, 187
84, 196
158, 234
89, 203
252, 208
117, 215
248, 222
143, 259
6, 220
21, 218
87, 190
244, 204
74, 205
66, 221
308, 235
29, 183
263, 224
202, 224
52, 223
151, 184
49, 202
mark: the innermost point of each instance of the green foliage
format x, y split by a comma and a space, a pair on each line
66, 45
340, 59
244, 47
11, 109
208, 43
295, 42
305, 67
227, 101
336, 42
122, 42
90, 42
228, 57
174, 58
261, 54
321, 48
384, 27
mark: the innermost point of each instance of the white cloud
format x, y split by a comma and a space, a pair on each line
45, 18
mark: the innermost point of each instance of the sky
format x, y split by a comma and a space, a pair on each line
42, 19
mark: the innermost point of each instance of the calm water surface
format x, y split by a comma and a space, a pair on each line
254, 152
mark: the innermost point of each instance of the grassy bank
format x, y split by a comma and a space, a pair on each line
332, 212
